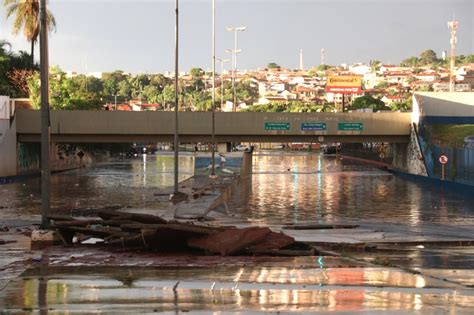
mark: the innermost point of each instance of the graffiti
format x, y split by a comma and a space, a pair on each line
28, 158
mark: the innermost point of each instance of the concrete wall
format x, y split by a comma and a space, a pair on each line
109, 126
443, 107
8, 152
247, 165
408, 158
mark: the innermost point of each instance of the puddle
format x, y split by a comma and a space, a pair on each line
248, 290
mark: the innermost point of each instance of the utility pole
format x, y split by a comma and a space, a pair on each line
453, 25
235, 30
176, 100
322, 56
45, 118
213, 154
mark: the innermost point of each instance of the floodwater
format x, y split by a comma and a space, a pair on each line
284, 189
228, 290
127, 183
317, 188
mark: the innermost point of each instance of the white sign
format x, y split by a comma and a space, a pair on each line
443, 159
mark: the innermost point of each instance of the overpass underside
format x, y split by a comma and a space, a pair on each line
124, 127
75, 138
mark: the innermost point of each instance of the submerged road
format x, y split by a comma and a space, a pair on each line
288, 188
425, 275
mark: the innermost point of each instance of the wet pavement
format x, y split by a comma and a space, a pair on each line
411, 253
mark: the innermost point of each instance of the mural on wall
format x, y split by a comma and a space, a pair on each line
63, 157
227, 164
456, 141
28, 158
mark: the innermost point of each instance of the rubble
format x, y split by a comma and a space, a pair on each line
130, 231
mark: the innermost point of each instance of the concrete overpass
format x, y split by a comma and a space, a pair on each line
117, 126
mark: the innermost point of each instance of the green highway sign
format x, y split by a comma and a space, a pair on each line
350, 126
277, 126
313, 126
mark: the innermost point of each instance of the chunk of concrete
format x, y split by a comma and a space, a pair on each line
274, 241
44, 238
230, 241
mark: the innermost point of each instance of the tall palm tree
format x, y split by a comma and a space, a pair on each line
27, 19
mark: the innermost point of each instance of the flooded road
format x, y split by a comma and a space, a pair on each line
316, 188
284, 189
130, 182
230, 290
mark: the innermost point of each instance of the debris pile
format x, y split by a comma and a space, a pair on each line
131, 231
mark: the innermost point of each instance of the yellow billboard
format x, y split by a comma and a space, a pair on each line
344, 84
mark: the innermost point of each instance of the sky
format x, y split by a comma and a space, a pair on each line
138, 35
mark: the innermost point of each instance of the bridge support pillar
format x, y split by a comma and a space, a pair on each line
247, 165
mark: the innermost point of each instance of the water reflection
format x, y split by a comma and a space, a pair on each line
123, 182
258, 289
312, 187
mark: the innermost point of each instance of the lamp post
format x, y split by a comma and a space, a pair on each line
45, 118
235, 30
222, 61
234, 56
213, 137
176, 100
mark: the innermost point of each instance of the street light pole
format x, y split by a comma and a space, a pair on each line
176, 100
234, 55
213, 154
222, 61
235, 30
45, 118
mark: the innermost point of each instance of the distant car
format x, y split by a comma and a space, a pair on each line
331, 148
241, 147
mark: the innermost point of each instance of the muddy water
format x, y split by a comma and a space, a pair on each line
246, 290
317, 188
283, 189
130, 182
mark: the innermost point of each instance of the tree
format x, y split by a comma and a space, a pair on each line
160, 81
410, 62
125, 88
197, 75
27, 19
152, 94
247, 91
168, 94
65, 93
375, 65
382, 85
111, 82
138, 83
405, 105
273, 65
19, 79
428, 57
14, 70
367, 101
